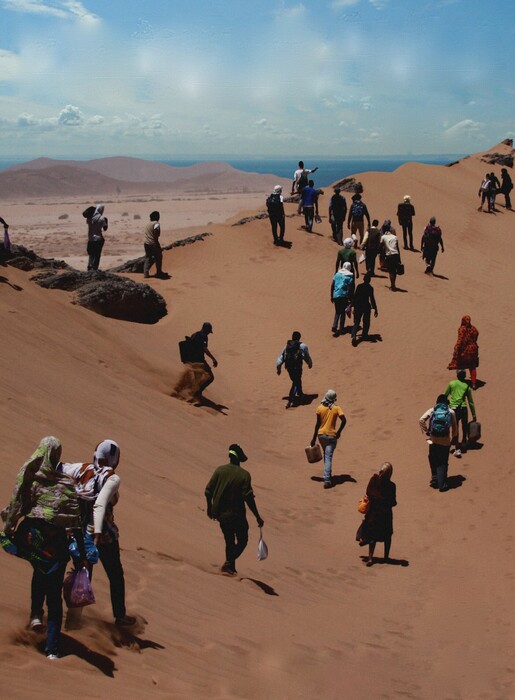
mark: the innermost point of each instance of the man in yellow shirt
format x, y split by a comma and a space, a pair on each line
328, 434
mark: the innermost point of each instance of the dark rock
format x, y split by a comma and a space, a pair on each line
136, 265
108, 294
498, 159
508, 142
24, 259
350, 184
248, 219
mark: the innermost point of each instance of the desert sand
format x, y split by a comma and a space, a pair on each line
311, 621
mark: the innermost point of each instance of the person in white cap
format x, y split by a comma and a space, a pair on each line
347, 254
405, 214
275, 208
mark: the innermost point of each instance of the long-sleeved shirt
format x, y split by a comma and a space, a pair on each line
424, 421
305, 356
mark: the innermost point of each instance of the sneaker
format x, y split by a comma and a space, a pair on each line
53, 657
228, 568
125, 621
289, 404
328, 485
36, 624
457, 453
354, 342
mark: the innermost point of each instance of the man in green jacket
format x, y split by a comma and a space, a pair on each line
227, 492
459, 393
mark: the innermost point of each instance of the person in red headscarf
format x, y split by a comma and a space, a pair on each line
466, 351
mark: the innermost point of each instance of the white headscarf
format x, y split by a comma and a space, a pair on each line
348, 243
107, 454
347, 269
329, 399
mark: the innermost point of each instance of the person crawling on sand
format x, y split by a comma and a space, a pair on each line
97, 224
153, 252
227, 493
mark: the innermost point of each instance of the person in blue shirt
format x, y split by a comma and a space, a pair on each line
310, 204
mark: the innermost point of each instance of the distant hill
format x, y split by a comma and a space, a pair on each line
47, 177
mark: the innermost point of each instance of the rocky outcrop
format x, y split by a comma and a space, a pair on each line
24, 259
136, 265
350, 184
108, 294
498, 159
248, 219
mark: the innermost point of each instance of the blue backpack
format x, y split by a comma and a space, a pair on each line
440, 423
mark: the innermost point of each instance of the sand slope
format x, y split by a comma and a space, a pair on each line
311, 621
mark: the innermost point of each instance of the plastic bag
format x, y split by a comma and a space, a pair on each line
7, 242
77, 589
364, 505
361, 258
262, 551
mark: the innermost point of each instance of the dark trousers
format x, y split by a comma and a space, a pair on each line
361, 314
49, 586
94, 250
296, 383
462, 417
309, 215
439, 463
277, 221
340, 304
153, 254
110, 558
430, 257
236, 535
507, 199
337, 226
407, 233
370, 260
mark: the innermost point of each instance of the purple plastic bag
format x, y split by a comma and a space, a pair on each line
77, 589
7, 242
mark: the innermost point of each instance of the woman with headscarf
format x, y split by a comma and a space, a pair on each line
377, 525
97, 224
46, 500
385, 228
466, 351
342, 293
99, 495
328, 414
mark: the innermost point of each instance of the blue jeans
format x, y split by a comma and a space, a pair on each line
328, 444
296, 384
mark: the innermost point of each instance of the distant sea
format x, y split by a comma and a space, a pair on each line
329, 169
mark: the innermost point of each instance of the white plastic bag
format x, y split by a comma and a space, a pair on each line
361, 258
262, 551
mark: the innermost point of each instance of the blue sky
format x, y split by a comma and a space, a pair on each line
331, 77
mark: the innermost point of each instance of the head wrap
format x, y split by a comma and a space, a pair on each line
43, 492
329, 399
466, 320
348, 243
99, 214
407, 198
278, 189
347, 269
107, 454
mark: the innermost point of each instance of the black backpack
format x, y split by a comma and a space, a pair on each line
358, 209
88, 213
292, 355
302, 181
274, 204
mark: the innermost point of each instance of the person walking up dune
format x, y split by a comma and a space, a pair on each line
439, 426
506, 187
342, 294
371, 245
405, 214
357, 213
431, 239
228, 492
459, 393
152, 245
466, 351
293, 356
392, 254
337, 214
377, 525
328, 414
364, 301
275, 208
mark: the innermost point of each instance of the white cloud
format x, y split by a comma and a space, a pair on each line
337, 4
466, 127
291, 12
9, 65
54, 8
70, 116
261, 122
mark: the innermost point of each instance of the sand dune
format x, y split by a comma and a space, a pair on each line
311, 621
